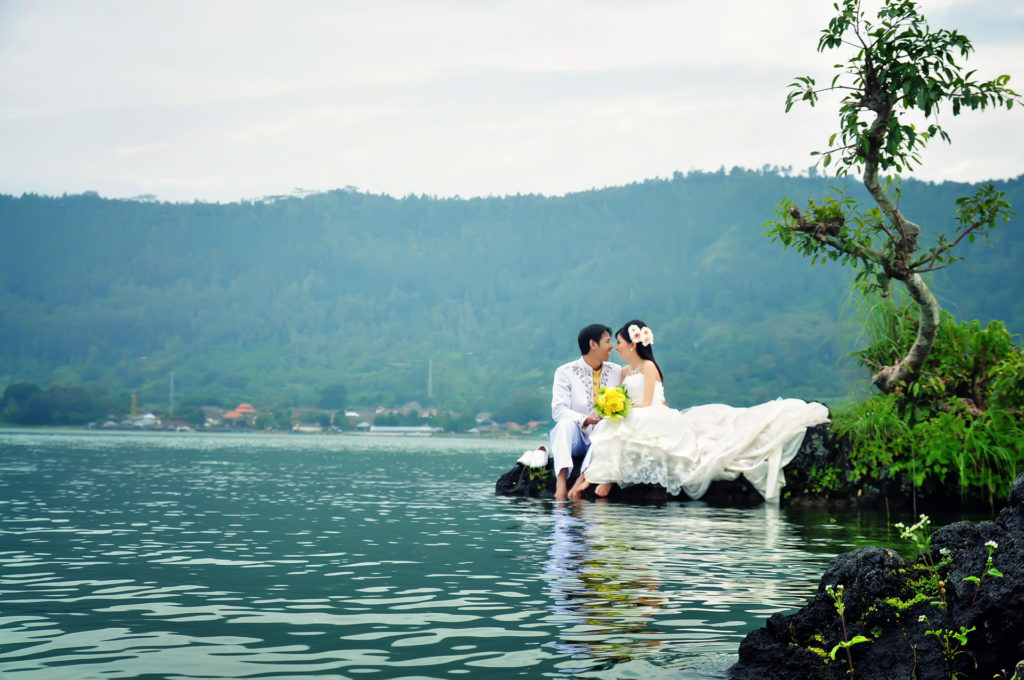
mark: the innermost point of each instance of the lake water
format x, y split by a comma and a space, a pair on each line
147, 555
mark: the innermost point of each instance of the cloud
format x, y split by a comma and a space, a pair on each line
223, 99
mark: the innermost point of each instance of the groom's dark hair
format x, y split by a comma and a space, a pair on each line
595, 332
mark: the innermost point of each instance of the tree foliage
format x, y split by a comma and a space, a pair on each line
899, 66
957, 429
333, 397
27, 404
523, 405
271, 302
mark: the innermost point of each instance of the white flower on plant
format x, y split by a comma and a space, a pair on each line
991, 544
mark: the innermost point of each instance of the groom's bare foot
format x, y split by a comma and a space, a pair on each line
560, 493
603, 490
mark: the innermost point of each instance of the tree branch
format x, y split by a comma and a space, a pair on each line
930, 269
827, 233
951, 244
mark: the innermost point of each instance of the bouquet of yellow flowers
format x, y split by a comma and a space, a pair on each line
612, 402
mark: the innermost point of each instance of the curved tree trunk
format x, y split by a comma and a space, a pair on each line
896, 266
927, 325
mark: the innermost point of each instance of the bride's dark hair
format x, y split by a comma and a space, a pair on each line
642, 351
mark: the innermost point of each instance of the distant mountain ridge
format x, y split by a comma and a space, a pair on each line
268, 302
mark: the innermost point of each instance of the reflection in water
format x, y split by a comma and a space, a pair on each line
603, 595
658, 590
126, 555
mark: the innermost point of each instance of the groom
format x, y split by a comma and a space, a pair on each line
572, 400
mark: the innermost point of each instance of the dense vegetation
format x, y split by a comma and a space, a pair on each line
956, 432
952, 398
273, 302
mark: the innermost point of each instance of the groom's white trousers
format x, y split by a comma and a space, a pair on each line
566, 442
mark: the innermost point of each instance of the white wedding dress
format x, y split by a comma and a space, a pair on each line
690, 449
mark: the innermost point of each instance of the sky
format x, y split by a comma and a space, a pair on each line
221, 101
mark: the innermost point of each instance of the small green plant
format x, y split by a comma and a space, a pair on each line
920, 535
989, 570
538, 474
878, 431
836, 594
951, 640
1018, 673
823, 480
952, 643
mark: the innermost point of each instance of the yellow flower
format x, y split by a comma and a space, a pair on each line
612, 402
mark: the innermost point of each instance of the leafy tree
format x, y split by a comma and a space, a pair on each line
409, 419
61, 405
333, 397
455, 422
191, 414
900, 66
16, 395
523, 405
283, 420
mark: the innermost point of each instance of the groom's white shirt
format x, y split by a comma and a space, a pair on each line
572, 395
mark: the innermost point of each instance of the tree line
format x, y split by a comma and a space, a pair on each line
465, 304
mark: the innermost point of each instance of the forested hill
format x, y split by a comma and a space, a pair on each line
271, 301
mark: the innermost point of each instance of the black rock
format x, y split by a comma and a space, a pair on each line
776, 662
738, 493
525, 482
879, 589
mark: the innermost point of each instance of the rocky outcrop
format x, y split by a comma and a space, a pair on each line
909, 612
526, 482
816, 449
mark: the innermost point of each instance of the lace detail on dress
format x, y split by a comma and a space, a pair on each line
687, 450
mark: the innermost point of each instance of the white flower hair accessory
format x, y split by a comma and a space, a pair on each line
644, 336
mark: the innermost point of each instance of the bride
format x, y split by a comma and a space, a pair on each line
690, 449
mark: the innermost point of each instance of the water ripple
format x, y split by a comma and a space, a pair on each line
140, 555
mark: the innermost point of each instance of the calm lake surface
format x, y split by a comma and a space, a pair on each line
150, 555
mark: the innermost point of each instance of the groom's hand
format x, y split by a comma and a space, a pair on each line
591, 419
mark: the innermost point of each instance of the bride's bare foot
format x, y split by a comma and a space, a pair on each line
578, 488
603, 490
